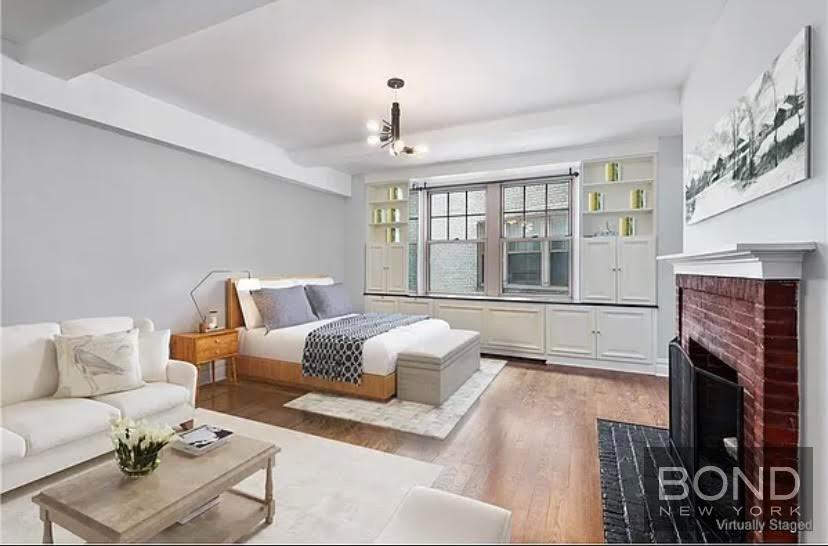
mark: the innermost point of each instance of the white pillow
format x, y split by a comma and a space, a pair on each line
250, 313
92, 365
154, 354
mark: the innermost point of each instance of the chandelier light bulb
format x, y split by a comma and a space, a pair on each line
399, 146
373, 140
372, 126
420, 149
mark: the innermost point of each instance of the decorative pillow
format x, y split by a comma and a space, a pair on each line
329, 301
153, 354
97, 364
283, 307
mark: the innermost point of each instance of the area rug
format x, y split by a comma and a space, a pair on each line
326, 491
629, 457
432, 421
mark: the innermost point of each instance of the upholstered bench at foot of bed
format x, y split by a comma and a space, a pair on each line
435, 368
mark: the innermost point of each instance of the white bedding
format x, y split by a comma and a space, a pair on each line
379, 354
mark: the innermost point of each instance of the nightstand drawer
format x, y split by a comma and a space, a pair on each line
213, 347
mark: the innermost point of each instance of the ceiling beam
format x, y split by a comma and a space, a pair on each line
656, 113
101, 101
122, 28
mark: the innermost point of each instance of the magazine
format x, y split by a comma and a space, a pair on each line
202, 439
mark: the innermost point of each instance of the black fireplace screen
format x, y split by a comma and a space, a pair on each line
706, 427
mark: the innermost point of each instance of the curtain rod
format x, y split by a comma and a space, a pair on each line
571, 174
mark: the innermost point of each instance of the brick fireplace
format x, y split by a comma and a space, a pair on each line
740, 309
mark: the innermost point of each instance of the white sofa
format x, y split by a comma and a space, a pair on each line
41, 435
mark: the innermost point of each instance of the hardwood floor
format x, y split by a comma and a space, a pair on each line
529, 445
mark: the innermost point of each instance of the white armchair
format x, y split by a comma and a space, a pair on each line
183, 374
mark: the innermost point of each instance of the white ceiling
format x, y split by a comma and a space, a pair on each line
307, 74
24, 20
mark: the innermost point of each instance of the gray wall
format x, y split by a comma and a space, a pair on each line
100, 223
747, 36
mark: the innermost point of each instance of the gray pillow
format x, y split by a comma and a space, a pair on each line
330, 300
283, 307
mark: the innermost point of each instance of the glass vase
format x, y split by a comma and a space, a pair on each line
137, 467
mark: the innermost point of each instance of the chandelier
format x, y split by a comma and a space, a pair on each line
387, 135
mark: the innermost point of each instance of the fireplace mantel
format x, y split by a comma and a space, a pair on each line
766, 261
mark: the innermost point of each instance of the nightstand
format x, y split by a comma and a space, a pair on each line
201, 348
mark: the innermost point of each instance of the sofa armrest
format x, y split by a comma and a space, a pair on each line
184, 374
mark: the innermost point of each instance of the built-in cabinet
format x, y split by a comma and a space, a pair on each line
618, 270
602, 336
603, 333
385, 268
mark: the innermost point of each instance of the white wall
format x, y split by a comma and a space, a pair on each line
749, 34
669, 205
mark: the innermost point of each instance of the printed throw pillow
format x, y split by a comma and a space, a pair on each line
283, 307
97, 364
154, 354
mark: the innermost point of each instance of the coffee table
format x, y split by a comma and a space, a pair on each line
102, 505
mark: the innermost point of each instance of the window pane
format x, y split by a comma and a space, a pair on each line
439, 204
513, 199
558, 224
523, 264
476, 227
559, 264
439, 229
477, 202
414, 204
535, 224
412, 267
457, 228
513, 226
457, 203
558, 196
456, 268
536, 197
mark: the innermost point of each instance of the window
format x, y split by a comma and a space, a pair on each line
456, 241
413, 238
536, 237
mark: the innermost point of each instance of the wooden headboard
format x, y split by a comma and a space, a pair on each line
232, 311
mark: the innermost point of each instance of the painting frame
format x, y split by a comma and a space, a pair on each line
741, 158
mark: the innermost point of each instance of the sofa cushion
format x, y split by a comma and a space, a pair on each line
12, 446
97, 325
50, 422
154, 353
144, 402
29, 369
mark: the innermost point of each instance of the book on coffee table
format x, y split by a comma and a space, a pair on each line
202, 439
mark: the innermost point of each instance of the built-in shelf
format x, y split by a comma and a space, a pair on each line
388, 224
620, 182
618, 211
388, 202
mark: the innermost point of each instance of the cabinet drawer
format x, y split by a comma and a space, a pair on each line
213, 347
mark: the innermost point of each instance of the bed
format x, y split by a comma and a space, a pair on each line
276, 357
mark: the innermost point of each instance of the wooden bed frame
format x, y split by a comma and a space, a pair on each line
279, 372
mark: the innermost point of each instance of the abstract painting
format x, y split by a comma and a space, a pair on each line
760, 145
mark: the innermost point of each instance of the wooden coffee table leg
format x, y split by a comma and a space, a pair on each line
47, 527
271, 504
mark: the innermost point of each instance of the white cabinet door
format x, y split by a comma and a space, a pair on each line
513, 326
375, 268
462, 315
395, 268
598, 269
570, 331
636, 270
414, 306
624, 334
380, 304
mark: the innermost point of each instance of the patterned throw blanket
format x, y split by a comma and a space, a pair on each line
334, 351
